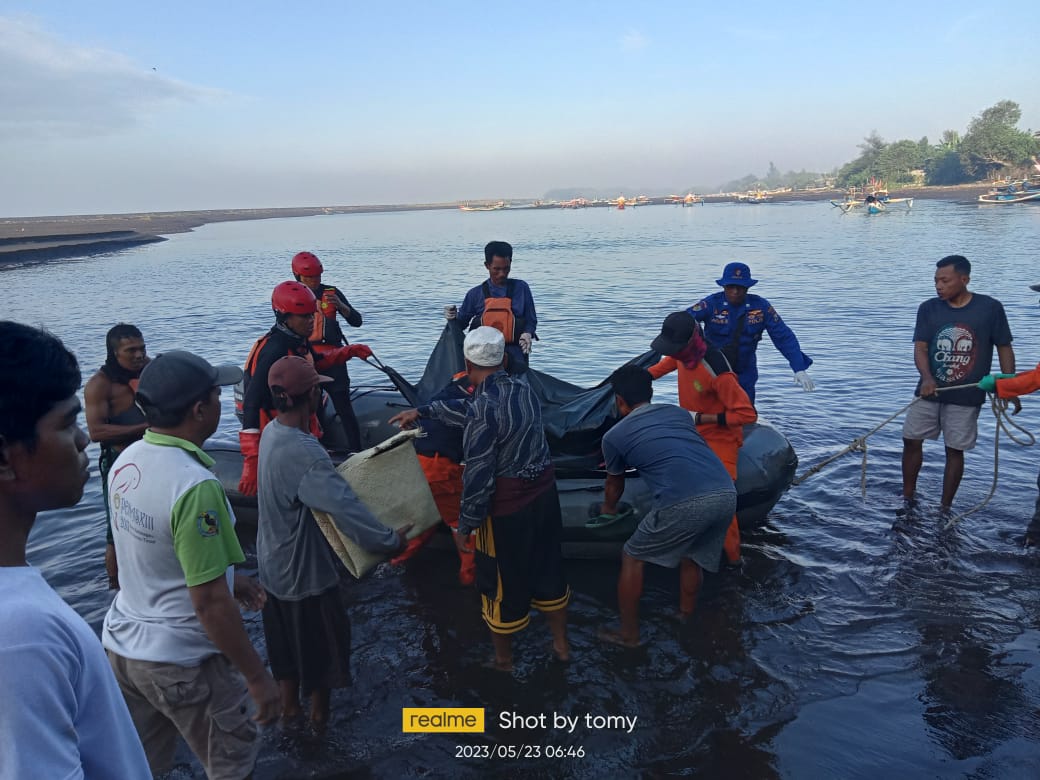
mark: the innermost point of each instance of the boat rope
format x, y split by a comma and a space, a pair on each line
859, 444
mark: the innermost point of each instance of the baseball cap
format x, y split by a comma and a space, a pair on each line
736, 273
484, 346
1035, 287
172, 380
676, 332
295, 375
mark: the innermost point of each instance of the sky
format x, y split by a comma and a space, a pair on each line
113, 107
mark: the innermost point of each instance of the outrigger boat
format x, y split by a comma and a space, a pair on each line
1013, 192
881, 199
575, 420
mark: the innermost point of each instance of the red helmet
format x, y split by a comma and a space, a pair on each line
293, 298
306, 264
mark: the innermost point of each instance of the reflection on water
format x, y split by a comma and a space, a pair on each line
843, 648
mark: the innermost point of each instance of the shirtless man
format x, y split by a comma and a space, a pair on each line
113, 418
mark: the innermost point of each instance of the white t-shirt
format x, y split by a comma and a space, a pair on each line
61, 712
173, 529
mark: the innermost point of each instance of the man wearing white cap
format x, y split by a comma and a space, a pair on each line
509, 498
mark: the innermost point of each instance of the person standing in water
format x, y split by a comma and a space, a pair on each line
113, 418
954, 338
504, 304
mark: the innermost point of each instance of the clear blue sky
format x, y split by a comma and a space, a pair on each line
120, 106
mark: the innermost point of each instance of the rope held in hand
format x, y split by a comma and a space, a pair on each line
859, 444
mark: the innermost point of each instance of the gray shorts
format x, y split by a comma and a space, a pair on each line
208, 705
959, 425
694, 529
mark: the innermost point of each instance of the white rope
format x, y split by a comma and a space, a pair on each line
859, 444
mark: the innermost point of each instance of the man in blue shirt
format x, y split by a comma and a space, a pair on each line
694, 497
734, 321
504, 304
63, 714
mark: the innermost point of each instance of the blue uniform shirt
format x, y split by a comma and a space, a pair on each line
721, 320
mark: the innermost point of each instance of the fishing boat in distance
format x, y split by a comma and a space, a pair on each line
876, 198
689, 199
754, 196
1013, 192
484, 207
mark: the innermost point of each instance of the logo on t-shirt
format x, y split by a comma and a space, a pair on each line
953, 354
207, 524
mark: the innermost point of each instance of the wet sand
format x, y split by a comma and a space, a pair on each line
34, 239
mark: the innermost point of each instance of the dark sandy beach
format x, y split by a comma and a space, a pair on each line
33, 239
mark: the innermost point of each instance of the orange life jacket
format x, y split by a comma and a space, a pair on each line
266, 415
498, 313
326, 311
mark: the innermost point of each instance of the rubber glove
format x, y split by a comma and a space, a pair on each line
989, 382
525, 343
804, 381
338, 357
451, 312
249, 443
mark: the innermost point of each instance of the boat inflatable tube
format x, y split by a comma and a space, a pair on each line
390, 482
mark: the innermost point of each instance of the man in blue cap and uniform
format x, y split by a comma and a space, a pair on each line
734, 321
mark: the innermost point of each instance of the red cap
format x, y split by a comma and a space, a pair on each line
295, 375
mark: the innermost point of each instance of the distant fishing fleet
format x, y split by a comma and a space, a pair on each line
873, 198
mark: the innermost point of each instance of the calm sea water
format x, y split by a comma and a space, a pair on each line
842, 649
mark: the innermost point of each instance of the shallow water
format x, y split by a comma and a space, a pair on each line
843, 648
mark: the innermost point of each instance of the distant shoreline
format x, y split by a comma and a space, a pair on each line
38, 239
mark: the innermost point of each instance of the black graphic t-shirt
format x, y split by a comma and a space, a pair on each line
960, 343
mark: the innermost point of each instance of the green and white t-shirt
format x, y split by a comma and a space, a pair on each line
173, 529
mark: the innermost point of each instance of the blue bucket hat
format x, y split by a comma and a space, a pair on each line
736, 273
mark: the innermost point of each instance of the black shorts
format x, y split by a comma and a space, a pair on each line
309, 640
520, 564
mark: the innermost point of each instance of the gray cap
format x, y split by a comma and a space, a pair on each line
484, 346
172, 380
1035, 287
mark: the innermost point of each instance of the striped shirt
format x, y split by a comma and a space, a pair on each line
502, 437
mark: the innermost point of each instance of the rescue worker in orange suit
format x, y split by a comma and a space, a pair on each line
440, 455
709, 388
294, 308
1012, 386
501, 303
327, 336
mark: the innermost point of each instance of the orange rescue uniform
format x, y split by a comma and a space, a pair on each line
703, 390
1023, 384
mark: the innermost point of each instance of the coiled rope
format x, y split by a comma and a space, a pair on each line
1004, 422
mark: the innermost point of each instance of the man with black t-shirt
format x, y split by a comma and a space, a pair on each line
953, 345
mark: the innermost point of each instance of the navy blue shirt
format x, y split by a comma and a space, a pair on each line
960, 344
721, 320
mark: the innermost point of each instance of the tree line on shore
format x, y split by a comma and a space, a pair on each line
991, 147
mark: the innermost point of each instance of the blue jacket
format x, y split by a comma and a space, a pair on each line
721, 320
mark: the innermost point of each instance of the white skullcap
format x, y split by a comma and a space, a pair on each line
484, 346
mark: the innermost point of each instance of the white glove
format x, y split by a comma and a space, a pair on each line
525, 343
805, 381
451, 312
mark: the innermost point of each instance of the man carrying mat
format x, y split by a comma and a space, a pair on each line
305, 623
